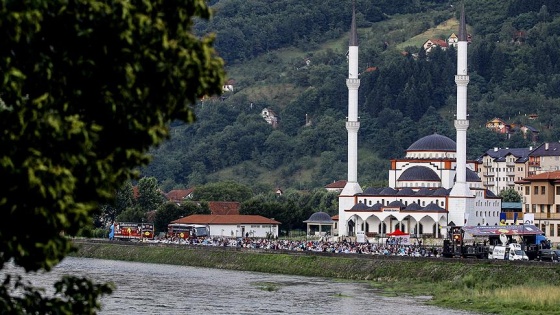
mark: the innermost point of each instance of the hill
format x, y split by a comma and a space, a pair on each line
290, 58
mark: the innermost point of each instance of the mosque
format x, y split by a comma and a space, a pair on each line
432, 188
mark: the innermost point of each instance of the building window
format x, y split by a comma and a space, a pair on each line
534, 208
543, 190
526, 207
557, 190
558, 210
536, 190
552, 230
527, 190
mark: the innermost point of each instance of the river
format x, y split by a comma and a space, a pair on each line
167, 289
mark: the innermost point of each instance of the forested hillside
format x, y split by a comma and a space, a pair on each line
290, 56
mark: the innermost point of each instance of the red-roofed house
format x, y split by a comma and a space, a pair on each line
337, 186
224, 207
236, 225
541, 197
179, 195
432, 43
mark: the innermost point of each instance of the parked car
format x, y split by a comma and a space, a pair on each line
548, 255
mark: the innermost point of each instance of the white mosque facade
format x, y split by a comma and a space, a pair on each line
418, 199
432, 188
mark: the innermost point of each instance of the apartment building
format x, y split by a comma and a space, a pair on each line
545, 158
541, 196
499, 169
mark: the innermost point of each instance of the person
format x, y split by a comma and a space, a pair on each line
112, 231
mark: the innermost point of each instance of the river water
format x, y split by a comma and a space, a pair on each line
166, 289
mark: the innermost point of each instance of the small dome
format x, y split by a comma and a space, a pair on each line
440, 192
372, 190
419, 173
406, 191
396, 204
319, 217
434, 142
424, 192
433, 208
359, 207
376, 206
413, 207
388, 191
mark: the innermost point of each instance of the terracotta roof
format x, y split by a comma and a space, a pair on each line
178, 194
224, 207
225, 219
545, 176
337, 184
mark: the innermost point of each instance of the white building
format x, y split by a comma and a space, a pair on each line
234, 225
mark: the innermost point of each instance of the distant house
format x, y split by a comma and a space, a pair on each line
237, 225
336, 186
498, 125
270, 116
432, 43
518, 37
179, 196
452, 40
530, 133
228, 87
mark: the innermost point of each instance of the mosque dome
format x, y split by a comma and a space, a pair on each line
434, 142
419, 173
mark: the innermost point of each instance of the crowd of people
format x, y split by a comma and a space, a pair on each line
322, 245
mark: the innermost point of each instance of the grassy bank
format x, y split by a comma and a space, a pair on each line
483, 286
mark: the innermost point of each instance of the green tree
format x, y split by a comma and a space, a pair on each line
149, 194
223, 191
89, 87
510, 195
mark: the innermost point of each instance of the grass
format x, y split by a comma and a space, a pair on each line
267, 286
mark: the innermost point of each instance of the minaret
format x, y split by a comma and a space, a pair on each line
461, 195
352, 124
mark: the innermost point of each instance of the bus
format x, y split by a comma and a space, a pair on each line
134, 231
186, 231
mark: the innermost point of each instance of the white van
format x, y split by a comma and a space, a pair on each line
508, 252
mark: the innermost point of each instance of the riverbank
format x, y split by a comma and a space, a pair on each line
497, 287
